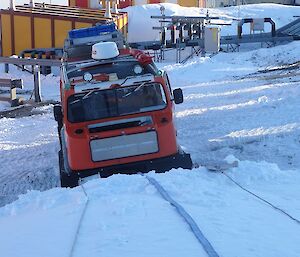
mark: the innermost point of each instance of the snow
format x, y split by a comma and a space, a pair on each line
232, 111
140, 17
237, 224
4, 105
49, 85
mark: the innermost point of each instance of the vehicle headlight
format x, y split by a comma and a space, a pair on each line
87, 76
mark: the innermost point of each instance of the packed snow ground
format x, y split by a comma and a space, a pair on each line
231, 110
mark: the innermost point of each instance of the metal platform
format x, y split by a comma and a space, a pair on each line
285, 34
291, 29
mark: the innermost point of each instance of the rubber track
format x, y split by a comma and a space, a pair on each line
208, 248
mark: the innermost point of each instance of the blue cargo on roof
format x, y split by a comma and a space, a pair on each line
93, 31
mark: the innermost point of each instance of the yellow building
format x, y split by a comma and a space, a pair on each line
46, 26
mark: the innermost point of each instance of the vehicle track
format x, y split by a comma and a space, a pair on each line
84, 209
189, 222
207, 246
184, 215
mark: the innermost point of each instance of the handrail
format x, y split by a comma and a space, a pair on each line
30, 61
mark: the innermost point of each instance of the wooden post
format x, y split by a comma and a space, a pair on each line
37, 84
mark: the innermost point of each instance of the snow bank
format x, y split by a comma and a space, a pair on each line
227, 65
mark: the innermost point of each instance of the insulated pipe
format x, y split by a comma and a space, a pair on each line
107, 10
31, 3
12, 5
173, 34
193, 29
163, 37
115, 6
273, 26
250, 20
190, 30
181, 33
101, 4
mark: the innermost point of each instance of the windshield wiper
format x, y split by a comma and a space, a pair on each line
135, 90
86, 96
89, 94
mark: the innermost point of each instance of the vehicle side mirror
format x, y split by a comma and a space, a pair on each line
178, 96
57, 110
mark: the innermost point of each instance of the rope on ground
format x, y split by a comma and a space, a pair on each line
79, 222
208, 248
262, 199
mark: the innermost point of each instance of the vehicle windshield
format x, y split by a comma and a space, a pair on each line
100, 104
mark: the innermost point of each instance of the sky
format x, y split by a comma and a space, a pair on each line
5, 3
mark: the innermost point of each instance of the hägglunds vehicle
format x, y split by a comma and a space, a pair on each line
117, 110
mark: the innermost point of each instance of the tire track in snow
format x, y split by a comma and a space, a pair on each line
250, 224
207, 246
87, 227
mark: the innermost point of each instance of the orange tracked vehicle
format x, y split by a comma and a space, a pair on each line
117, 110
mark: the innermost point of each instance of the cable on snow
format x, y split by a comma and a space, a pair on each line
262, 199
79, 222
208, 248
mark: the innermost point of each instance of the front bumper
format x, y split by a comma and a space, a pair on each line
179, 160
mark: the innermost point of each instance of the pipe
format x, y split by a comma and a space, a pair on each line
181, 33
107, 11
12, 5
272, 25
101, 4
31, 3
249, 20
115, 6
164, 37
173, 34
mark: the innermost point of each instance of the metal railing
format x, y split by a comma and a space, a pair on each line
36, 68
